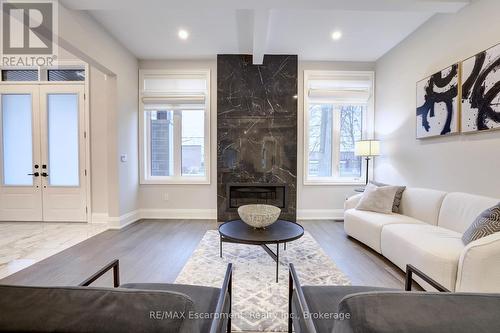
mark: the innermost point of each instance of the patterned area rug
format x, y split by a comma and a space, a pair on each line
259, 303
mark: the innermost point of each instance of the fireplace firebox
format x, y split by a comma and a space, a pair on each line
245, 194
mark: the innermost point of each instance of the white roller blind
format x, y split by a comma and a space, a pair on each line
175, 82
175, 91
177, 99
356, 96
341, 88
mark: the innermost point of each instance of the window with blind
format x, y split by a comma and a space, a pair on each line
338, 111
174, 127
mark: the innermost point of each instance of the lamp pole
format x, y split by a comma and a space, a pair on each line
367, 164
367, 149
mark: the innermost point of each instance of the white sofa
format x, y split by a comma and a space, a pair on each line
427, 234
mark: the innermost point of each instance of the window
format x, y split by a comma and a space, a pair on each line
62, 73
19, 75
338, 112
174, 127
66, 75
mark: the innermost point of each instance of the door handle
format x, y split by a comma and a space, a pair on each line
44, 174
36, 174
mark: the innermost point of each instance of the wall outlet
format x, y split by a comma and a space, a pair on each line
165, 197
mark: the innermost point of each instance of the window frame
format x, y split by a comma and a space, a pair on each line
367, 130
145, 135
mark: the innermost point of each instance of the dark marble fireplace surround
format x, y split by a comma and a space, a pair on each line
256, 133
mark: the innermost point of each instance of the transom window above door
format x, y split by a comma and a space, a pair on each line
338, 111
175, 126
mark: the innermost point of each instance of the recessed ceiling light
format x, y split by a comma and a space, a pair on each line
336, 35
183, 34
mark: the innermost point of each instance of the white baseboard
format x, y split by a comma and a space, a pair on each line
99, 218
134, 216
205, 214
208, 214
320, 214
124, 220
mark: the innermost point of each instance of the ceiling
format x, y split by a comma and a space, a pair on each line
370, 28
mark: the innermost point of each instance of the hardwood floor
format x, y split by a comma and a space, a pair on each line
156, 251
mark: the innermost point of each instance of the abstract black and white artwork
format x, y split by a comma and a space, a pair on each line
481, 91
437, 104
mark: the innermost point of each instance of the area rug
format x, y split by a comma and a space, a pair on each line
259, 303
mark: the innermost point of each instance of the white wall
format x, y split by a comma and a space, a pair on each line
82, 36
467, 163
201, 200
100, 89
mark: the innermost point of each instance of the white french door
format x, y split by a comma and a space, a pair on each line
42, 151
20, 186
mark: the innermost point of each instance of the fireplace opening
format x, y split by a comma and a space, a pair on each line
245, 194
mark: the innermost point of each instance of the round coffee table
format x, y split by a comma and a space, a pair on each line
281, 231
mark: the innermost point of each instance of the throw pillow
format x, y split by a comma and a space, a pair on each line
397, 197
378, 199
487, 223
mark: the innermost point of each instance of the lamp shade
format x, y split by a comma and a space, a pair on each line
367, 148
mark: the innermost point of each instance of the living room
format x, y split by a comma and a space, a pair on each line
307, 166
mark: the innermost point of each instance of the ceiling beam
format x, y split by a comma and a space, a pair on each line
260, 33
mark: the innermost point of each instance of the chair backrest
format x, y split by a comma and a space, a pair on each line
422, 204
419, 312
84, 309
459, 210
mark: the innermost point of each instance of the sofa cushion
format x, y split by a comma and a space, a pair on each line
204, 298
84, 309
416, 312
460, 210
433, 250
378, 199
487, 223
367, 226
422, 204
326, 299
397, 197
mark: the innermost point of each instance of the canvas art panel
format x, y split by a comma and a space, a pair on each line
437, 104
481, 91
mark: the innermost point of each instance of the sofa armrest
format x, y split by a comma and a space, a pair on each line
352, 202
224, 297
302, 309
479, 266
115, 265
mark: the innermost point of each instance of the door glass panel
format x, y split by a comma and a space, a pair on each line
17, 138
62, 114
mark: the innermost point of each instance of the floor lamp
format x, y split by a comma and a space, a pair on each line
367, 149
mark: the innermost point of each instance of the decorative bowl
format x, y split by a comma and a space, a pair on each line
259, 216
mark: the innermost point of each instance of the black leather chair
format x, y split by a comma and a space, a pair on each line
349, 309
137, 307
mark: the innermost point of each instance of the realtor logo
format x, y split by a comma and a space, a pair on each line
28, 29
